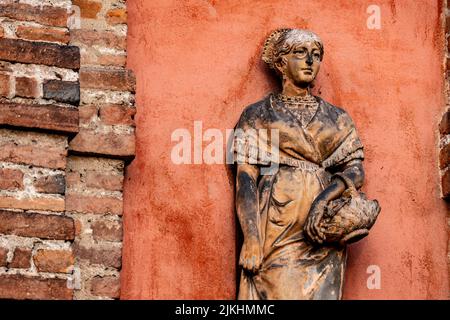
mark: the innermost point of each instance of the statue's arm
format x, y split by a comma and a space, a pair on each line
354, 171
247, 211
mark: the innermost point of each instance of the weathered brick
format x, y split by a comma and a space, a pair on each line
5, 87
46, 15
5, 67
23, 287
114, 114
88, 8
107, 79
26, 87
99, 180
40, 116
54, 184
445, 183
444, 156
21, 259
108, 257
87, 113
93, 204
34, 203
92, 56
116, 16
43, 34
90, 38
106, 287
3, 257
73, 179
44, 226
15, 50
11, 179
62, 91
98, 173
78, 227
33, 148
109, 144
59, 261
444, 126
107, 230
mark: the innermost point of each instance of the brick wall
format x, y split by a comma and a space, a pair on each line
66, 134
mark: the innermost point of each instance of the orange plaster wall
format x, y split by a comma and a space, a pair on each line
200, 60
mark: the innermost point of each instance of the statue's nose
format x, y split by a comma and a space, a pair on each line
309, 60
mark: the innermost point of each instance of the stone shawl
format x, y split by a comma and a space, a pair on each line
312, 146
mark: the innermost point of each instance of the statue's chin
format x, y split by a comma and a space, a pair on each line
304, 84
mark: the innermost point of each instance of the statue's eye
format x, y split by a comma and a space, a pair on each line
316, 56
300, 52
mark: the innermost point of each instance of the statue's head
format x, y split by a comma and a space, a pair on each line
295, 54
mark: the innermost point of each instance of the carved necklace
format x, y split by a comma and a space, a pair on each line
303, 108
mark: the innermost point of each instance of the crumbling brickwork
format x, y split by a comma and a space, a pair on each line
66, 135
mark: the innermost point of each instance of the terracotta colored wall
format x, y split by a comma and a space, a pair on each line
200, 60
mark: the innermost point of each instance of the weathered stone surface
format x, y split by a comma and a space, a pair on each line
445, 183
106, 287
107, 230
26, 87
88, 113
116, 16
93, 204
54, 184
444, 126
444, 156
62, 91
3, 256
5, 86
21, 259
114, 114
46, 15
90, 38
109, 144
11, 179
94, 57
111, 257
40, 116
103, 180
15, 50
33, 148
24, 287
32, 203
107, 79
43, 34
88, 8
59, 261
44, 226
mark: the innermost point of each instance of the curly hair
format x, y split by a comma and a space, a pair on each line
282, 41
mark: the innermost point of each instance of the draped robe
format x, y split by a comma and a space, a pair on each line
310, 151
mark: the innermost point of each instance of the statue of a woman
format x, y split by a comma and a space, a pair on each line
284, 254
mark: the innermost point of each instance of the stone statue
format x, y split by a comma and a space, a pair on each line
297, 220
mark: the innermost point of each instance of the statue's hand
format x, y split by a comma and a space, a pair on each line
251, 255
312, 230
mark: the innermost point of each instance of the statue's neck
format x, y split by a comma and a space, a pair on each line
291, 90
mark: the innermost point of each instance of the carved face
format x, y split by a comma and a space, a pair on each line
301, 64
